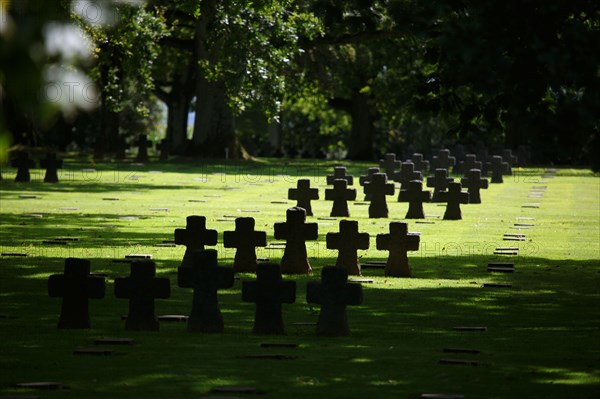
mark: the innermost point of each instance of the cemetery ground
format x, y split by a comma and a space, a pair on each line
541, 336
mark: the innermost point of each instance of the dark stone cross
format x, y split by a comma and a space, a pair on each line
367, 178
141, 287
164, 149
439, 182
23, 164
268, 292
415, 196
296, 232
143, 144
498, 168
469, 163
421, 164
510, 159
443, 160
333, 293
195, 236
206, 278
339, 172
51, 164
340, 194
398, 242
406, 174
389, 165
453, 198
304, 194
245, 239
473, 182
75, 286
347, 242
378, 188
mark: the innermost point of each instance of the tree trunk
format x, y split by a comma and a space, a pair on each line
363, 128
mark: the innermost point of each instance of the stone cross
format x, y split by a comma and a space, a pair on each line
443, 160
498, 168
339, 172
510, 159
406, 174
439, 182
398, 242
367, 178
23, 164
164, 148
141, 287
347, 242
474, 182
340, 194
75, 286
389, 165
195, 236
415, 196
51, 164
268, 292
378, 188
296, 232
421, 165
453, 198
333, 293
304, 194
245, 239
205, 277
469, 163
143, 144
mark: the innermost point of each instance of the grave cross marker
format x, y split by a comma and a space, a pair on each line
296, 232
141, 287
269, 291
454, 197
339, 172
510, 159
206, 278
347, 242
367, 178
245, 239
398, 242
469, 163
378, 188
340, 194
443, 160
51, 164
143, 144
389, 165
406, 174
333, 293
164, 149
75, 286
23, 164
474, 182
498, 168
304, 194
195, 236
439, 181
415, 196
421, 165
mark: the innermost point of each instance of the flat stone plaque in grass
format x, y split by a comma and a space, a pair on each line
441, 396
93, 352
16, 254
326, 218
138, 256
114, 341
372, 266
33, 215
507, 249
159, 209
497, 285
270, 356
28, 196
250, 210
236, 389
505, 238
520, 235
534, 206
525, 218
213, 195
539, 187
129, 218
462, 350
524, 224
173, 318
226, 220
460, 362
279, 345
424, 221
68, 208
42, 385
196, 200
470, 328
279, 202
110, 199
361, 203
360, 280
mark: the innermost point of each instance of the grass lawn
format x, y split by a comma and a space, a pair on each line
542, 338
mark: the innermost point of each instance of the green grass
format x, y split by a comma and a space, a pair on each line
542, 339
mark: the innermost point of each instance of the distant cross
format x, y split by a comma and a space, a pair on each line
195, 236
439, 182
304, 194
75, 286
443, 160
23, 164
268, 292
469, 163
453, 198
474, 182
421, 164
367, 178
340, 194
333, 293
378, 188
398, 242
498, 168
206, 278
510, 159
141, 287
143, 144
415, 196
51, 164
339, 172
406, 174
347, 242
296, 232
245, 239
163, 147
389, 165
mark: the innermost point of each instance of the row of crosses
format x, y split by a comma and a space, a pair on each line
23, 164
